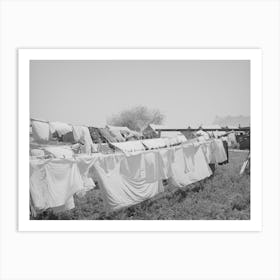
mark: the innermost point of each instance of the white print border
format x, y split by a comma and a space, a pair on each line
255, 57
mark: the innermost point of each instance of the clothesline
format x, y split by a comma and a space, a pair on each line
119, 152
124, 180
43, 121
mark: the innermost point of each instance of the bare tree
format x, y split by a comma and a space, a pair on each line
137, 118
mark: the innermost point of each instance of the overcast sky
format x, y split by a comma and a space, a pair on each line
187, 92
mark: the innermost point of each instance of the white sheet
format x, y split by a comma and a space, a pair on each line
208, 149
40, 131
220, 153
126, 181
189, 165
53, 182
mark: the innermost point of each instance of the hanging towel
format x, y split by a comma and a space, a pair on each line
40, 131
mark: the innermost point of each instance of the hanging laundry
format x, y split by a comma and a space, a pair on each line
208, 149
59, 151
220, 153
152, 166
85, 165
123, 180
179, 168
166, 159
129, 146
60, 127
232, 142
225, 144
202, 135
40, 131
82, 135
156, 143
189, 165
53, 182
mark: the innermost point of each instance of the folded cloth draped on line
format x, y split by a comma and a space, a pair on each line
129, 146
156, 143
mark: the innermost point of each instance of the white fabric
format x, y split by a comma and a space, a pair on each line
60, 127
81, 134
189, 165
69, 205
218, 134
37, 153
53, 182
182, 138
59, 151
166, 158
130, 146
203, 136
220, 153
209, 149
85, 166
126, 181
156, 143
175, 137
232, 140
179, 139
40, 131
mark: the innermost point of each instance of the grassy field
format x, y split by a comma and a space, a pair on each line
224, 196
